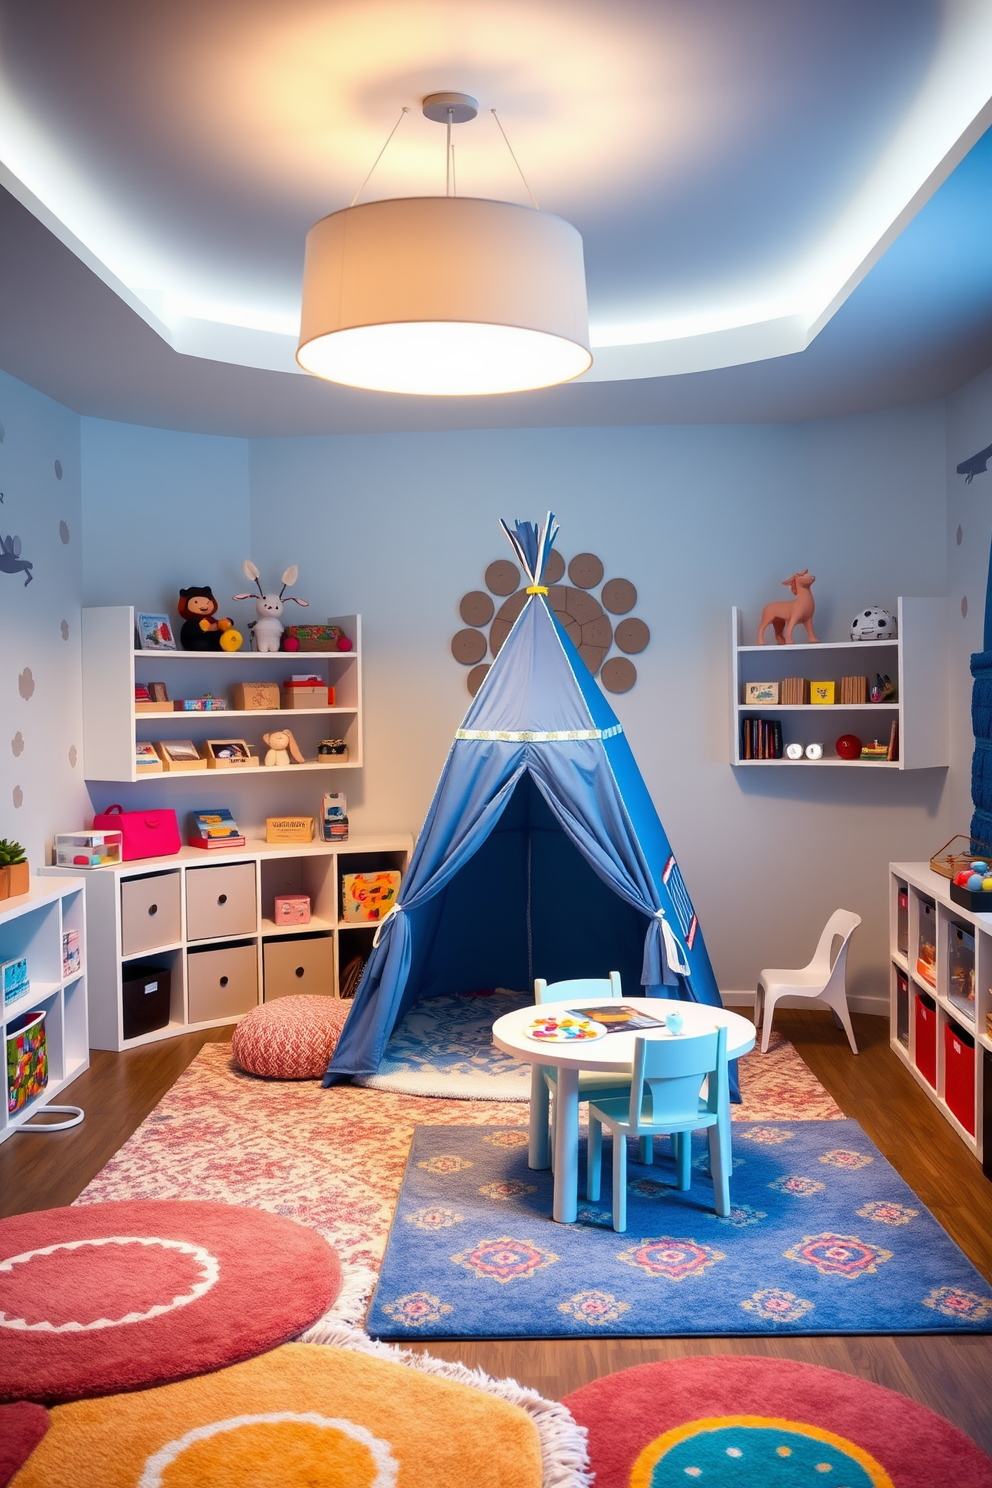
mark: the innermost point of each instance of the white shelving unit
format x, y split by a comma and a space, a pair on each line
31, 925
948, 1089
172, 912
112, 728
916, 661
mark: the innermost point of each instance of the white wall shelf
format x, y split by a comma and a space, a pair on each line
184, 878
916, 661
112, 728
921, 886
32, 925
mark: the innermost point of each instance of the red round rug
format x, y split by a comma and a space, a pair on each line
22, 1427
107, 1297
743, 1422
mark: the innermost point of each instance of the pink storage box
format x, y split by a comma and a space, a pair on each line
292, 909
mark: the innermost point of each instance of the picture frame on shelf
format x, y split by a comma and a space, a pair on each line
154, 633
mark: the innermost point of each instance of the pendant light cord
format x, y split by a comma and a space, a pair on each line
382, 152
514, 159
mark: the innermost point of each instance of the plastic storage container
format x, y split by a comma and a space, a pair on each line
959, 1074
902, 919
926, 947
147, 993
961, 970
902, 1008
27, 1059
987, 1113
926, 1038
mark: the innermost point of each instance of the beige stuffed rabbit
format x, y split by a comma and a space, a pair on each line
282, 748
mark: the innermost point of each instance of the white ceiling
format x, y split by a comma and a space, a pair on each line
734, 168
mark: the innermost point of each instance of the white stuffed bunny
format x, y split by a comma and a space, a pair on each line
282, 745
267, 628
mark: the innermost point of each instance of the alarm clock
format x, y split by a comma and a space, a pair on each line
794, 751
814, 751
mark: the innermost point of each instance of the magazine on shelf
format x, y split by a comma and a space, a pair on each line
616, 1018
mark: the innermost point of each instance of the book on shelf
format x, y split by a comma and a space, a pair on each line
794, 691
214, 829
761, 738
893, 753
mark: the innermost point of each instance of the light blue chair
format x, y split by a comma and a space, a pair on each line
664, 1097
592, 1086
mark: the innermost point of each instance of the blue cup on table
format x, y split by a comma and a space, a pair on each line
673, 1022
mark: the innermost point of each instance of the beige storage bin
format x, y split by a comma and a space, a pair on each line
220, 901
150, 912
304, 964
222, 982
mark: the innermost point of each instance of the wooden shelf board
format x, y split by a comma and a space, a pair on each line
900, 959
37, 993
818, 764
301, 657
853, 646
315, 924
817, 707
175, 945
226, 775
187, 715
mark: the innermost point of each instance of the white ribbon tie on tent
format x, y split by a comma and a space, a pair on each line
393, 909
674, 954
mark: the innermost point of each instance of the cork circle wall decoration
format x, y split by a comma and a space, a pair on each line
488, 616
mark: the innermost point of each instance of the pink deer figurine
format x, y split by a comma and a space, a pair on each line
786, 614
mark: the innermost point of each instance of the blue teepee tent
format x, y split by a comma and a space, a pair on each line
542, 853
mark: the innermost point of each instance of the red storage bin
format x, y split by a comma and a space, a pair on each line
926, 1038
959, 1074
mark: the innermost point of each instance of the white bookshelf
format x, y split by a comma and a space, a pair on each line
112, 728
184, 879
31, 925
920, 885
916, 661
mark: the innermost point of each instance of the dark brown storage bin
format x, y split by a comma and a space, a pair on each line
147, 998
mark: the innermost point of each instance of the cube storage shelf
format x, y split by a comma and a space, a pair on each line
208, 922
32, 925
939, 1033
916, 661
112, 728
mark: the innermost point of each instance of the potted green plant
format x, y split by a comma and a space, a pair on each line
15, 876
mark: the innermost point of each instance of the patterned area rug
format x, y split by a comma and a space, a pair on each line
823, 1237
121, 1296
334, 1159
750, 1423
297, 1416
444, 1046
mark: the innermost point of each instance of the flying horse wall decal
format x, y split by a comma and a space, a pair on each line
981, 693
11, 561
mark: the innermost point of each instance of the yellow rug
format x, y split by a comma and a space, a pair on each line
302, 1416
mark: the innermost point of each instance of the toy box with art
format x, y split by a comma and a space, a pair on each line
14, 979
229, 754
88, 849
334, 817
27, 1060
256, 697
315, 638
146, 760
332, 752
291, 909
71, 954
305, 690
368, 897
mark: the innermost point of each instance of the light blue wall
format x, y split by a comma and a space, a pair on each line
399, 527
41, 785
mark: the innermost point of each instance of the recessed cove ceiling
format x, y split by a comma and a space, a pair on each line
735, 169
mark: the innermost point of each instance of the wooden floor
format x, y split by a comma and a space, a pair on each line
952, 1375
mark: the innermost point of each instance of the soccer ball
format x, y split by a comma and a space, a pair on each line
873, 624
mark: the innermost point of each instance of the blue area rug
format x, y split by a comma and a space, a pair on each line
444, 1046
823, 1237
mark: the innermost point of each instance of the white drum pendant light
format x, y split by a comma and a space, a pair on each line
444, 295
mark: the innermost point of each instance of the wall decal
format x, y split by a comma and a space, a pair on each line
17, 796
58, 469
17, 744
576, 607
64, 534
64, 627
25, 684
11, 561
977, 465
73, 755
3, 433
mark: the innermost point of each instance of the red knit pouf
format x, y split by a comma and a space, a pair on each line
289, 1039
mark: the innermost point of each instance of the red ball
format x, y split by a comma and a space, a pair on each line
343, 643
290, 643
848, 747
961, 879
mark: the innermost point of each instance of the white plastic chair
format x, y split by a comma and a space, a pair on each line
592, 1086
824, 979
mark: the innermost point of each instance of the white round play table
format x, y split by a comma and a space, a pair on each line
614, 1053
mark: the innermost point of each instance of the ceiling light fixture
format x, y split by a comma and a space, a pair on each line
444, 295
